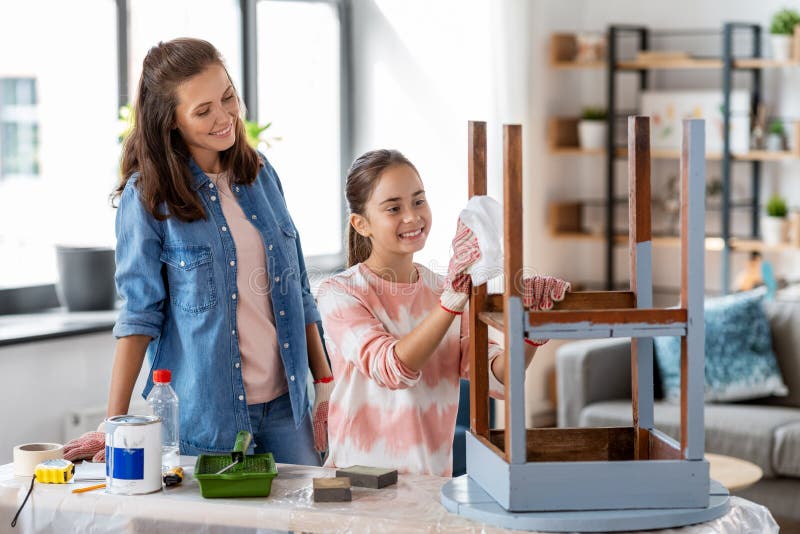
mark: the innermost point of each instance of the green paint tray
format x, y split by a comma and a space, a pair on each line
245, 476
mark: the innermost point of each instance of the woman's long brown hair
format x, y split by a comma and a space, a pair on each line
156, 149
362, 177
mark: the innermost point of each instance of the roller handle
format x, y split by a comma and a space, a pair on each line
243, 439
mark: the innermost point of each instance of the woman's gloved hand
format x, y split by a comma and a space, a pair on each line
458, 283
539, 293
91, 445
319, 413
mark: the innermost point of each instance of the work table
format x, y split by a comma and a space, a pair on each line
412, 505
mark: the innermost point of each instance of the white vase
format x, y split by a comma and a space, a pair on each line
592, 134
781, 47
773, 230
774, 142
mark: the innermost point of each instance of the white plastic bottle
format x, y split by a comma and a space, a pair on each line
163, 403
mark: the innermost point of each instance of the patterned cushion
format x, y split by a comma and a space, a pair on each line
740, 363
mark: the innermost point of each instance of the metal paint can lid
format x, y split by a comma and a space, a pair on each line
132, 420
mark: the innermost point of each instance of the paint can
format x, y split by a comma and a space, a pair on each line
133, 454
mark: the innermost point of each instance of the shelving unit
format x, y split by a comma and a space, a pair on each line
563, 138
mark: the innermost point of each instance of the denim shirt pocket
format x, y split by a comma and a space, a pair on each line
190, 276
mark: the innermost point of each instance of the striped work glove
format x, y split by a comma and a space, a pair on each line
458, 283
319, 413
91, 445
539, 293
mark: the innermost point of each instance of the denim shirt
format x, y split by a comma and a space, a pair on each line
177, 282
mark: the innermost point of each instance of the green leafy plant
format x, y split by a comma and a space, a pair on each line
784, 21
125, 122
594, 114
776, 206
776, 127
255, 133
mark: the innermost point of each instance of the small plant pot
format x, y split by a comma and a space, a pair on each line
86, 278
773, 230
781, 47
592, 134
774, 142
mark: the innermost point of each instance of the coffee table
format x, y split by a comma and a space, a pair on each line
733, 473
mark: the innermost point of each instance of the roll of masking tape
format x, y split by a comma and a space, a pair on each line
29, 455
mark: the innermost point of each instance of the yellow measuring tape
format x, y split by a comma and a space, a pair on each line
55, 471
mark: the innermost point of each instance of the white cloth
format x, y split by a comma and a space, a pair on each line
483, 215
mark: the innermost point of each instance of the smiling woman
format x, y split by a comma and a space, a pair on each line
201, 220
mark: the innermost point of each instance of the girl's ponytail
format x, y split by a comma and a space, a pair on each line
362, 177
358, 247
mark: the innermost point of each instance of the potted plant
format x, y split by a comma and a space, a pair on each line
592, 128
255, 135
781, 30
773, 226
776, 136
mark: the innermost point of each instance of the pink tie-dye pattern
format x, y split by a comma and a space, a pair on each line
381, 412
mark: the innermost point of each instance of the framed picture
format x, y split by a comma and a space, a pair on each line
667, 109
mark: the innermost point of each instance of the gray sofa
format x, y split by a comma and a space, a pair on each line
594, 389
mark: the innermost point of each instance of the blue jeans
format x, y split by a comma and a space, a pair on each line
274, 431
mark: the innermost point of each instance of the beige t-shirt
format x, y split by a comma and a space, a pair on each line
262, 369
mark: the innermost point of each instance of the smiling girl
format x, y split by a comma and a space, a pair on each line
210, 269
393, 328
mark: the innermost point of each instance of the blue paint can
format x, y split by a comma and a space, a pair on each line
133, 454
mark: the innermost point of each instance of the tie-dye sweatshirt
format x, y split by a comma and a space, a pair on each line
381, 412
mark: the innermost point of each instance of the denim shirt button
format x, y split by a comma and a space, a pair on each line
237, 188
233, 296
236, 365
291, 378
253, 217
183, 263
233, 332
277, 278
233, 263
281, 313
285, 345
241, 397
224, 228
211, 185
213, 198
270, 247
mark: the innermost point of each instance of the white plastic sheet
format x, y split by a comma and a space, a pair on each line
410, 506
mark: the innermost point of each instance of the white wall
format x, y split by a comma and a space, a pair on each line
41, 382
423, 69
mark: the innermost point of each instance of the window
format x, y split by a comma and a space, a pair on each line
299, 92
58, 131
216, 21
19, 130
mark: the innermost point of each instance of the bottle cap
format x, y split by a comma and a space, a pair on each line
162, 376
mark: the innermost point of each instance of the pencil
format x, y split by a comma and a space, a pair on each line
88, 488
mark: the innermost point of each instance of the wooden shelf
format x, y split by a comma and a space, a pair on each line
762, 63
712, 243
576, 151
692, 63
663, 153
573, 65
750, 245
688, 63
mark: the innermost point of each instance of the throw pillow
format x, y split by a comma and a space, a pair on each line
739, 361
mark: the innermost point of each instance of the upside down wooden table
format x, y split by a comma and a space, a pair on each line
412, 505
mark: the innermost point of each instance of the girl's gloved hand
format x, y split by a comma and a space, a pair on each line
91, 445
319, 413
458, 283
539, 293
